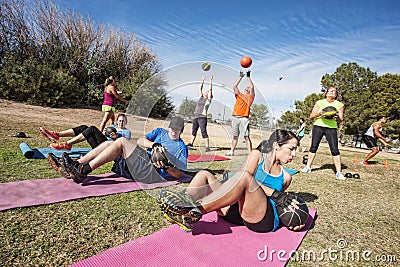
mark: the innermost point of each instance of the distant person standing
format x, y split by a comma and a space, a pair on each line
300, 131
200, 114
370, 138
327, 127
241, 113
110, 98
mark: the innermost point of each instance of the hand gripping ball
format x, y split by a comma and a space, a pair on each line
110, 130
298, 217
158, 155
329, 112
246, 61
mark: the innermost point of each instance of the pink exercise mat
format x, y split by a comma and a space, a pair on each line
46, 191
214, 242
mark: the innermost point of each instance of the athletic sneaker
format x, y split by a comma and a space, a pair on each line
230, 153
61, 146
74, 168
56, 163
365, 163
49, 135
340, 176
306, 169
179, 208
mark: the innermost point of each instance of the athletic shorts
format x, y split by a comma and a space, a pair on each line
265, 225
141, 168
240, 125
369, 141
106, 108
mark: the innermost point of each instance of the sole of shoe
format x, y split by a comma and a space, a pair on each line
180, 224
45, 135
56, 147
73, 172
55, 164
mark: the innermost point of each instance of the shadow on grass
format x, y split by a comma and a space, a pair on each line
307, 197
329, 167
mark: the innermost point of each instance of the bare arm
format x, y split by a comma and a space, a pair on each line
287, 179
251, 86
235, 86
378, 134
340, 115
302, 126
201, 86
115, 93
316, 112
210, 93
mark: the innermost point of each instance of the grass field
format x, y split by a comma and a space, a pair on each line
362, 213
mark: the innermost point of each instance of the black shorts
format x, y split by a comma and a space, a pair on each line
369, 141
265, 225
141, 168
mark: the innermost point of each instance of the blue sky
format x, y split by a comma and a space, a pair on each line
298, 40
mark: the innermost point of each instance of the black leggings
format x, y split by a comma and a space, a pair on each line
265, 225
92, 135
331, 137
202, 123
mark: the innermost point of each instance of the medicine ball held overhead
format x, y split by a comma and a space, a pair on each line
246, 62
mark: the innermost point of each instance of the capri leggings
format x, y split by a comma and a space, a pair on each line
92, 135
331, 137
202, 123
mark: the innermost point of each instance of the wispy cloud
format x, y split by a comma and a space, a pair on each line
297, 40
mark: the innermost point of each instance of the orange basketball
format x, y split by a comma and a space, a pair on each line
246, 61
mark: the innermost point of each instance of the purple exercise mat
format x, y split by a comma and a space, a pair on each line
214, 242
46, 191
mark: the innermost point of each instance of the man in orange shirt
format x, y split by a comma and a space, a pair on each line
241, 113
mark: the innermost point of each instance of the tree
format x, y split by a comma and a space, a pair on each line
356, 92
258, 115
58, 58
187, 108
303, 109
386, 102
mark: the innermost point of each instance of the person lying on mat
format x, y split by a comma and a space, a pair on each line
248, 198
137, 160
91, 134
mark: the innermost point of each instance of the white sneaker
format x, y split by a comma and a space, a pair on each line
306, 169
340, 176
230, 153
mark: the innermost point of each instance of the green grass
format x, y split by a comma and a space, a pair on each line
364, 212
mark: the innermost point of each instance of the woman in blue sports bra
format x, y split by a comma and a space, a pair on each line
250, 197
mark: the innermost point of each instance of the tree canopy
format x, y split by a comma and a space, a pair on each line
54, 57
366, 96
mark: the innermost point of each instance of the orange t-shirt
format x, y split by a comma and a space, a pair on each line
242, 105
